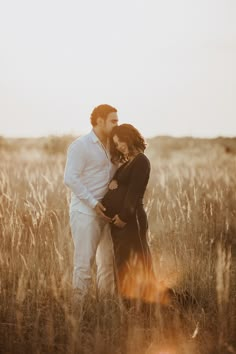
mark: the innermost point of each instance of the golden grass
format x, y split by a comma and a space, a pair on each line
191, 204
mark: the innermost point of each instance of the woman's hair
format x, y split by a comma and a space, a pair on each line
101, 111
131, 136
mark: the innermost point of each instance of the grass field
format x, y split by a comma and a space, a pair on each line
191, 206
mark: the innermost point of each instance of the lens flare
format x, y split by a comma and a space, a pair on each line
137, 280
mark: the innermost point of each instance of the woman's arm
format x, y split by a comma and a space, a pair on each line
137, 185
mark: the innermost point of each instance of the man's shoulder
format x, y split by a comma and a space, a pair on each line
81, 141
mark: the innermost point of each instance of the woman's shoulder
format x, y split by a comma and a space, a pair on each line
142, 160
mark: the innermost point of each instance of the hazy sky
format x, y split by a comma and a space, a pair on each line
169, 66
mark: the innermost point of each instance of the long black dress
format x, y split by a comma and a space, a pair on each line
131, 251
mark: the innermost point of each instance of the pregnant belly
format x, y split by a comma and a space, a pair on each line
113, 200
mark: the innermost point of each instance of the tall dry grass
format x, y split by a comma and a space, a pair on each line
191, 204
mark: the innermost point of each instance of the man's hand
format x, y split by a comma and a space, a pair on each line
118, 222
99, 208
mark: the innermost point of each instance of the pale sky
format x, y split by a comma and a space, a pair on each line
168, 66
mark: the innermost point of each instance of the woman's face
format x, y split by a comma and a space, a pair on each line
121, 146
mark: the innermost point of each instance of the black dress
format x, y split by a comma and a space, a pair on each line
131, 251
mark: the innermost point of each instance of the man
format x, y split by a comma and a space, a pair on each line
87, 173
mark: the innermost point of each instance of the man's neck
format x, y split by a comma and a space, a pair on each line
103, 138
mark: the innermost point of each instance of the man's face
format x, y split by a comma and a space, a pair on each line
110, 123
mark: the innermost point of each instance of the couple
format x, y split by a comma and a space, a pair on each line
107, 173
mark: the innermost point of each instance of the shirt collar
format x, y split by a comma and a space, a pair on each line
94, 136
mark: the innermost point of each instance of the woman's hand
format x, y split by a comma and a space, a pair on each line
118, 222
113, 184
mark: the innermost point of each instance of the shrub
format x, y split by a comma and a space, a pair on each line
57, 144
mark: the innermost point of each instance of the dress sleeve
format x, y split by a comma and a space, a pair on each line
136, 188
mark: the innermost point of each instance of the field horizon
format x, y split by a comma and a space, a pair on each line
190, 202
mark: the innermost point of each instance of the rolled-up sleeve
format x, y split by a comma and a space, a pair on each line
75, 163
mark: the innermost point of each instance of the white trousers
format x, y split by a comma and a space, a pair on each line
92, 239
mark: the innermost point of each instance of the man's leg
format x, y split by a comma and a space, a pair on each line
104, 260
86, 233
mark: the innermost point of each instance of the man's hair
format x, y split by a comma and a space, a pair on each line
101, 111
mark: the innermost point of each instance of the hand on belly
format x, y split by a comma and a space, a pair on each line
118, 222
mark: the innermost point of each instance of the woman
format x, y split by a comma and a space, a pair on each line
124, 204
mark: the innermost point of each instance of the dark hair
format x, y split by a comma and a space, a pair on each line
131, 136
101, 111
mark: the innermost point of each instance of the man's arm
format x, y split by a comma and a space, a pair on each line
75, 163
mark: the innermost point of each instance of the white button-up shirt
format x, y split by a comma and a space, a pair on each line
87, 173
